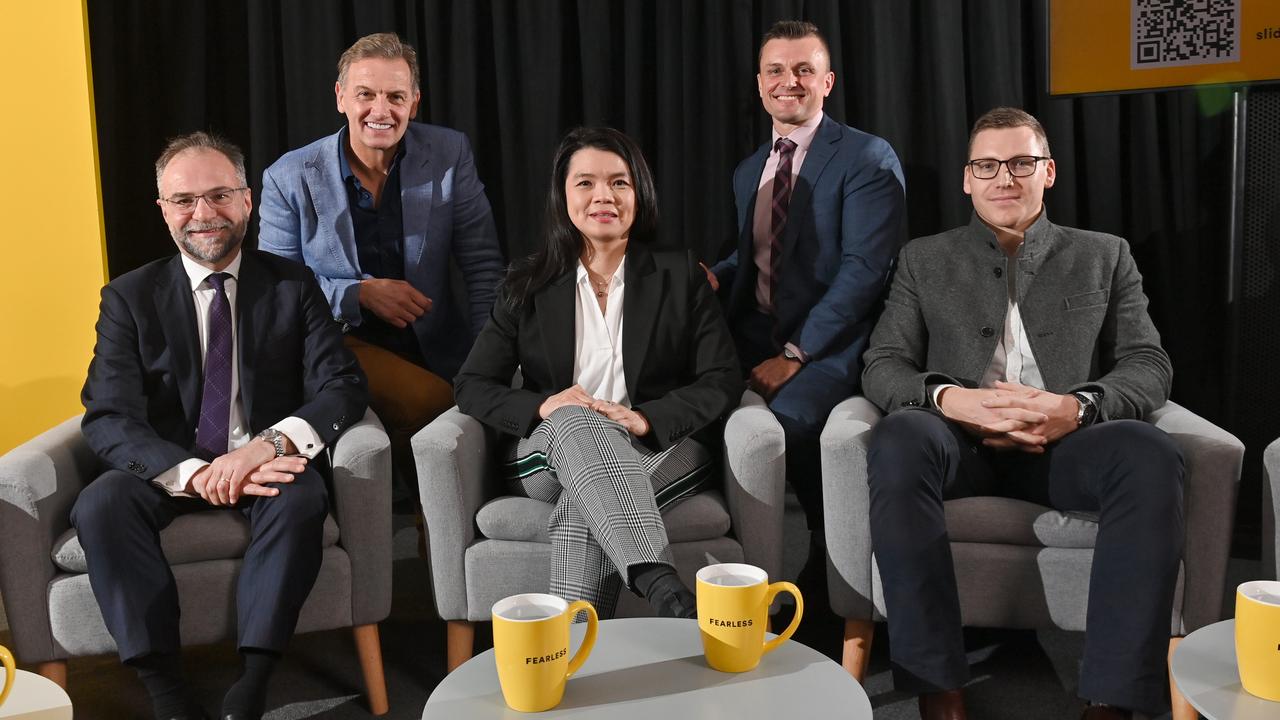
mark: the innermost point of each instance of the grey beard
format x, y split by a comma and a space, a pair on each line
210, 252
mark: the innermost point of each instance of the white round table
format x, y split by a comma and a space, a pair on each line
35, 698
653, 669
1204, 667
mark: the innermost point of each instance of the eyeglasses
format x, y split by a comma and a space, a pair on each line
1020, 166
218, 197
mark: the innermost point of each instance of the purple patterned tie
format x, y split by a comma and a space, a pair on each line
781, 201
215, 403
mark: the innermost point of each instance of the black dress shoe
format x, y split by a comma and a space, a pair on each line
944, 705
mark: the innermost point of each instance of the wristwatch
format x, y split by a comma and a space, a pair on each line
275, 437
788, 354
1088, 411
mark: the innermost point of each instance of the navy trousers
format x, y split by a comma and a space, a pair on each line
118, 519
1127, 471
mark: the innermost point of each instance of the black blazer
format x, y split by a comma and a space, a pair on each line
678, 358
142, 396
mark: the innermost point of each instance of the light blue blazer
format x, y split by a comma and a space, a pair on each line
305, 216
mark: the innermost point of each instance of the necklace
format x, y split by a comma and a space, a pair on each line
601, 286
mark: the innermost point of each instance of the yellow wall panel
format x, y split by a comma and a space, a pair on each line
52, 258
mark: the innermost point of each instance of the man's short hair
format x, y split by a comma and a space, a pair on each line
201, 140
1003, 118
379, 45
793, 30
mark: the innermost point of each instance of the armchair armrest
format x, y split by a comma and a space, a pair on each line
1212, 457
846, 506
39, 482
362, 507
1270, 509
452, 458
755, 481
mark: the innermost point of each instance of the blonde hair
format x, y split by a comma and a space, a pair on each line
379, 45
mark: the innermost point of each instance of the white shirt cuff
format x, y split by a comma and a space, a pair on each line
302, 435
936, 390
174, 480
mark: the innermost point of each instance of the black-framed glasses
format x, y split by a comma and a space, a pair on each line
1019, 166
217, 197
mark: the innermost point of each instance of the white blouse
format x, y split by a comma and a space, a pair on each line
597, 337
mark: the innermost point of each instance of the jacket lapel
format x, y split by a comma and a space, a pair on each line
253, 317
323, 178
416, 191
821, 150
640, 310
554, 307
177, 312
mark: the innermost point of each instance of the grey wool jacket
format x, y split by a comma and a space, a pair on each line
1080, 297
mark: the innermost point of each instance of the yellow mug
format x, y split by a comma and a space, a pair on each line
10, 672
531, 648
733, 614
1258, 637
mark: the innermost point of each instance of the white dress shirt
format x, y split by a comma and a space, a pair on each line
597, 338
299, 431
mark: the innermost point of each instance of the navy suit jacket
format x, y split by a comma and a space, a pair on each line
846, 221
306, 216
142, 395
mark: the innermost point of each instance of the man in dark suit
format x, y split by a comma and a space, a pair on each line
217, 375
1016, 357
380, 211
821, 215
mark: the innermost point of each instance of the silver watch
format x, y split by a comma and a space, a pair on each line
275, 437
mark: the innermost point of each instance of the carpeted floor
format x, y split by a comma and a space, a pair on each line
1017, 674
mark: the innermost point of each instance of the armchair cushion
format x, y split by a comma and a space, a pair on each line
194, 537
698, 517
1008, 521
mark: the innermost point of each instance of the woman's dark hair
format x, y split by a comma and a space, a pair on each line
561, 240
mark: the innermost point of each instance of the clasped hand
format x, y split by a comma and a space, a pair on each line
248, 470
1011, 415
634, 422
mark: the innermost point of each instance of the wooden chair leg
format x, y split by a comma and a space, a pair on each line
1182, 710
857, 647
55, 670
462, 639
369, 649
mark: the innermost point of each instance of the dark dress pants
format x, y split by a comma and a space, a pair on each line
118, 519
1127, 471
801, 407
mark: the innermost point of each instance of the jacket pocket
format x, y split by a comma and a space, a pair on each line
1089, 299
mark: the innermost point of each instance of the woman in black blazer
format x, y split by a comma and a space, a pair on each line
624, 356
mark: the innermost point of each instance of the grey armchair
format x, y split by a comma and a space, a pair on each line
1018, 564
51, 608
485, 546
1271, 509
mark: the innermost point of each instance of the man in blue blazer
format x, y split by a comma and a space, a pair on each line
821, 215
380, 211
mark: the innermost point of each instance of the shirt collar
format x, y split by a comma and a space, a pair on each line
803, 135
197, 273
584, 279
344, 166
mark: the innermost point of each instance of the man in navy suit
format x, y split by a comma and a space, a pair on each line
216, 376
821, 215
380, 211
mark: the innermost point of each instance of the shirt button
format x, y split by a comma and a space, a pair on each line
984, 332
335, 426
999, 272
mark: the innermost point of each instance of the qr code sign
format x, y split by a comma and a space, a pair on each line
1169, 33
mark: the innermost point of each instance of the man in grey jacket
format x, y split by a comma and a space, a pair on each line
1016, 357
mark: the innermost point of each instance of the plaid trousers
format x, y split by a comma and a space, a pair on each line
606, 488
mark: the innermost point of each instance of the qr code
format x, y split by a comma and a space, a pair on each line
1170, 33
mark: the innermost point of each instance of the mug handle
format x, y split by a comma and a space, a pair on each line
10, 672
769, 595
588, 640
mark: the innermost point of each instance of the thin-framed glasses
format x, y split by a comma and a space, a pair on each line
1019, 166
217, 197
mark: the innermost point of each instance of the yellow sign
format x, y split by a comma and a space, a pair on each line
1100, 46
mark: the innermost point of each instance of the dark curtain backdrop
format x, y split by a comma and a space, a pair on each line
679, 76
